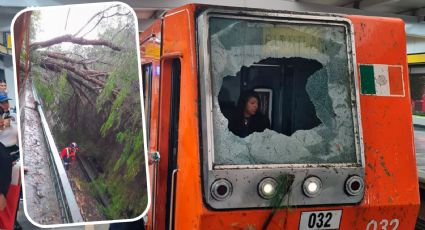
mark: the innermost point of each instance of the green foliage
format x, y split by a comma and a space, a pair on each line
136, 158
106, 92
122, 138
122, 202
108, 123
54, 91
62, 84
123, 122
115, 114
97, 187
132, 153
23, 54
44, 91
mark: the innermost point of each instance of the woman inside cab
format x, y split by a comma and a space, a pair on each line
247, 118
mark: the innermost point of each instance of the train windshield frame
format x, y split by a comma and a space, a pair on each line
230, 183
319, 133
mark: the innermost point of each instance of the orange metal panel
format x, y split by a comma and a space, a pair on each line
179, 36
151, 37
147, 41
391, 175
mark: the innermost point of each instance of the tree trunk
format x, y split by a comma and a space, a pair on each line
75, 40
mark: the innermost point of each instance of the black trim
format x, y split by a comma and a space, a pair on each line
148, 68
173, 138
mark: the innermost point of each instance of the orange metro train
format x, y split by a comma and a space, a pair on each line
338, 152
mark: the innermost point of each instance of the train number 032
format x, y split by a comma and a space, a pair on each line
329, 219
319, 220
384, 224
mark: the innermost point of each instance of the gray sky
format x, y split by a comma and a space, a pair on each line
53, 20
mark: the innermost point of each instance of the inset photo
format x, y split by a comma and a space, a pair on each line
80, 114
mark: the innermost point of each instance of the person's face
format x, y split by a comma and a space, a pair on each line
251, 106
4, 105
3, 87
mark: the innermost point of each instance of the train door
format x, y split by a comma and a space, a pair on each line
170, 65
164, 174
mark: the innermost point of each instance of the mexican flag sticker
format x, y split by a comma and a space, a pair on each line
381, 80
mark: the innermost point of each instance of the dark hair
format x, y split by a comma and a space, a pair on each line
257, 122
2, 81
245, 96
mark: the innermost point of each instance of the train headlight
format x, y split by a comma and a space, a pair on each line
354, 185
221, 189
267, 188
312, 186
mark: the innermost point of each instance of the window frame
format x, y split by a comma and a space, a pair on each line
205, 71
245, 179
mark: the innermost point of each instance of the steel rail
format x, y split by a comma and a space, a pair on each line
88, 171
70, 208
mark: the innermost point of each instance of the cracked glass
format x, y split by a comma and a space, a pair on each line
300, 73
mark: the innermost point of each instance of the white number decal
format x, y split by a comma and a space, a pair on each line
396, 222
383, 224
372, 223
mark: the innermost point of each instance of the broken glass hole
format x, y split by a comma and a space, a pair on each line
280, 84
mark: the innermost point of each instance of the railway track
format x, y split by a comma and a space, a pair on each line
68, 206
90, 173
70, 210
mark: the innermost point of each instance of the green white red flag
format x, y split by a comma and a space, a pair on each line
381, 80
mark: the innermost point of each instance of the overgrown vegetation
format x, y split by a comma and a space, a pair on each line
104, 119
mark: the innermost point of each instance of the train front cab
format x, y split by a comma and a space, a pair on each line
339, 151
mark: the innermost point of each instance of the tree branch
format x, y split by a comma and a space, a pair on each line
101, 18
81, 91
83, 62
82, 82
55, 66
93, 17
75, 40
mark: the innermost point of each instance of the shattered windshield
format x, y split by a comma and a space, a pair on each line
281, 93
